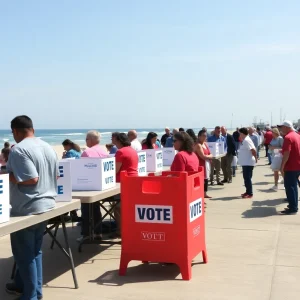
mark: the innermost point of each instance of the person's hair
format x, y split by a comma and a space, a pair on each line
5, 152
204, 128
201, 132
123, 139
181, 129
132, 133
109, 146
244, 130
276, 131
73, 146
115, 134
21, 123
6, 145
217, 128
192, 134
149, 137
95, 135
187, 144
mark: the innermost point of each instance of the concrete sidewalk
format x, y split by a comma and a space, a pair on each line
253, 253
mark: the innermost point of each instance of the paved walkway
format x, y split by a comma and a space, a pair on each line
253, 253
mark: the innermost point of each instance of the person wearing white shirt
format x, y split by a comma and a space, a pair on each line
247, 159
135, 144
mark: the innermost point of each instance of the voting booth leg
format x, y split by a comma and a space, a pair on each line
204, 255
69, 251
124, 261
186, 270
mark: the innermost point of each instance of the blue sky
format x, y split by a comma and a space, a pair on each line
139, 64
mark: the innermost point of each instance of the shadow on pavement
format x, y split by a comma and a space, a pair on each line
142, 273
260, 212
261, 183
225, 199
273, 202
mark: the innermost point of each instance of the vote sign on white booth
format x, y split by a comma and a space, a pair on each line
64, 182
168, 156
154, 160
4, 198
216, 148
142, 165
93, 174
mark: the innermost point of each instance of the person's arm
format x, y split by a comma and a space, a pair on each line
200, 152
21, 169
252, 148
27, 182
286, 150
119, 163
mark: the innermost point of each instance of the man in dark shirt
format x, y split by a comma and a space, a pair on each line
236, 137
165, 136
226, 161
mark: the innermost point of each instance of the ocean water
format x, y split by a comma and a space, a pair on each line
57, 136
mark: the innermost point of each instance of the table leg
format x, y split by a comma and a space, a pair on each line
69, 251
55, 233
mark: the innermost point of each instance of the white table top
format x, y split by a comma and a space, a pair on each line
18, 223
95, 196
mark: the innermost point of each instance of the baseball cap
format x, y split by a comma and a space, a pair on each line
287, 123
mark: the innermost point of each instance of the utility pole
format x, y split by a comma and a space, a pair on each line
271, 119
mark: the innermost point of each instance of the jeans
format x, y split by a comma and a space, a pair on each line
26, 247
267, 149
233, 171
291, 188
247, 174
270, 158
257, 151
85, 216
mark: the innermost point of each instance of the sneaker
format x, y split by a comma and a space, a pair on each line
11, 288
289, 212
243, 194
224, 181
220, 183
274, 188
81, 239
247, 196
85, 237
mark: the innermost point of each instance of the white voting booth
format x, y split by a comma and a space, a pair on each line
64, 182
142, 165
154, 160
93, 174
216, 148
168, 156
4, 198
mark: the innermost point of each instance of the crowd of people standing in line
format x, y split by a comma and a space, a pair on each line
32, 165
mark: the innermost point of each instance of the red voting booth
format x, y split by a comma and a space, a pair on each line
163, 219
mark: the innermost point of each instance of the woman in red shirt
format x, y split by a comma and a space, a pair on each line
204, 156
126, 160
150, 142
185, 159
